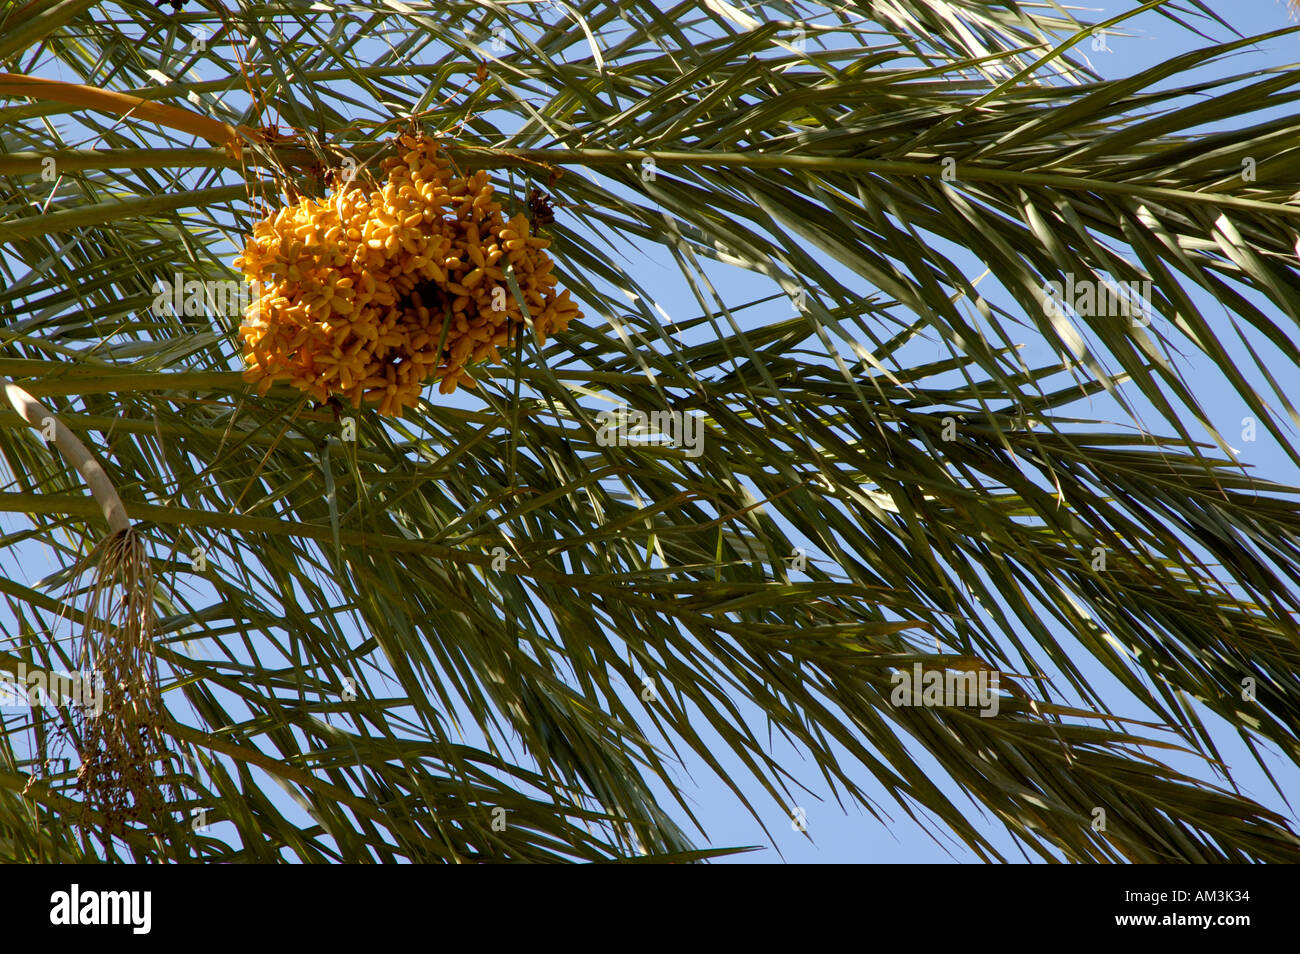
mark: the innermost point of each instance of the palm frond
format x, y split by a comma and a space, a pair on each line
439, 639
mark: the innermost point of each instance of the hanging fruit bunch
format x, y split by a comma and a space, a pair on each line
367, 295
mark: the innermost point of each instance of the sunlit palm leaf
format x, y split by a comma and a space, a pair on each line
353, 635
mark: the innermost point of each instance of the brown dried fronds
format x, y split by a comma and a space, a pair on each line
121, 747
541, 212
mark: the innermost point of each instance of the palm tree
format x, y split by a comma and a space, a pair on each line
484, 631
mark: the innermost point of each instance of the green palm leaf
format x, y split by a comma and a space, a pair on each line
480, 632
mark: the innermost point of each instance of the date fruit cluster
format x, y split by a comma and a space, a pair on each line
369, 293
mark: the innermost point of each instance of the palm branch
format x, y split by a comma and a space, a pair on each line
478, 631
